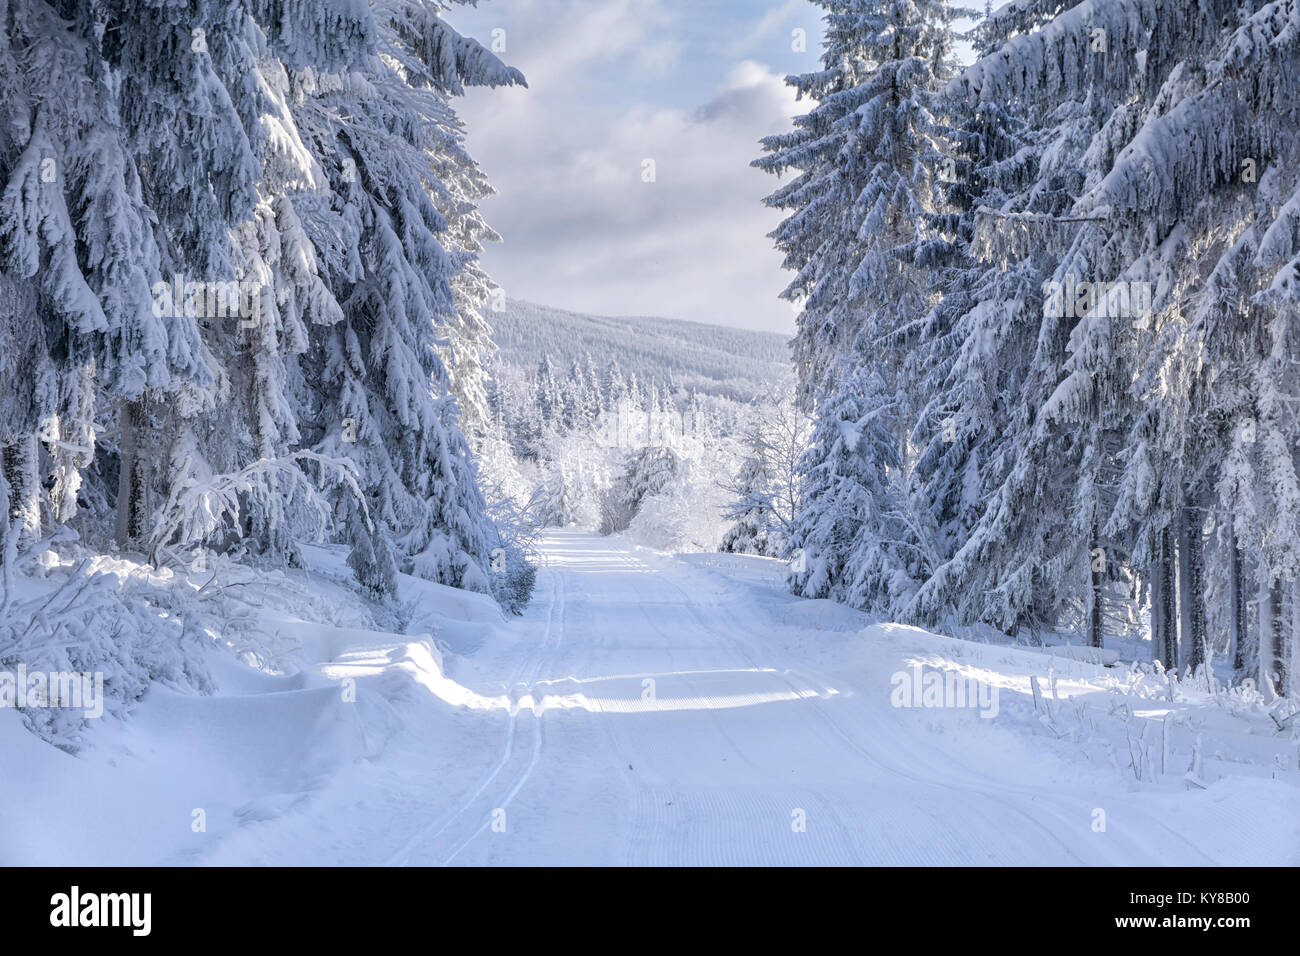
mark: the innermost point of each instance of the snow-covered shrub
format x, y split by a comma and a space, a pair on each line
104, 616
512, 548
684, 515
648, 472
210, 510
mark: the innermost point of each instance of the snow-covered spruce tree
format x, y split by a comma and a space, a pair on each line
182, 264
342, 260
594, 400
752, 531
573, 398
861, 208
1244, 194
1199, 178
47, 313
998, 556
511, 505
1157, 239
1078, 75
852, 539
189, 102
166, 179
384, 395
21, 405
965, 354
287, 295
613, 386
1077, 444
864, 155
209, 127
457, 188
81, 257
438, 61
547, 399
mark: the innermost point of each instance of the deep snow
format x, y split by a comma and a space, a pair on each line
649, 709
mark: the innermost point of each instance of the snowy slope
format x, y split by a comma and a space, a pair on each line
650, 710
739, 364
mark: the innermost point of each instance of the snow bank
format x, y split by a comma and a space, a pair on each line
289, 680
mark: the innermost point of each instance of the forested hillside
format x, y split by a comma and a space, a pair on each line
708, 359
670, 431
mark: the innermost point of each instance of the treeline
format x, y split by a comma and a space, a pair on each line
552, 402
239, 291
1048, 329
600, 449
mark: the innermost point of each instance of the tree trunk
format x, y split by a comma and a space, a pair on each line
1155, 594
1168, 638
1183, 592
1191, 587
1238, 632
133, 505
21, 463
1096, 625
1278, 637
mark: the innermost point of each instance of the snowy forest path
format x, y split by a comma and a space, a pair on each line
650, 709
680, 729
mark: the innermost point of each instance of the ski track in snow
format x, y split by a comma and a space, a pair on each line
521, 694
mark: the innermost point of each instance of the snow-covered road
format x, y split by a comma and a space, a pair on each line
648, 709
659, 716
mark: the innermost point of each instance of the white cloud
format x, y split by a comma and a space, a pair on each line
555, 41
582, 229
774, 22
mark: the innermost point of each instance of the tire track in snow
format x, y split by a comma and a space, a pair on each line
443, 822
558, 607
715, 780
891, 819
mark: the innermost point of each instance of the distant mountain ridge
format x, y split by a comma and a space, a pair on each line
739, 364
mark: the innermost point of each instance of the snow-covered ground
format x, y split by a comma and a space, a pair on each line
651, 709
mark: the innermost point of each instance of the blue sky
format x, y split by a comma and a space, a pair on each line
689, 84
